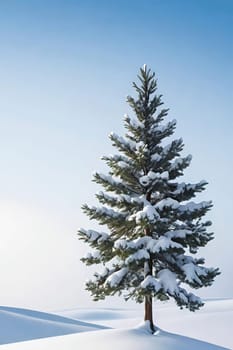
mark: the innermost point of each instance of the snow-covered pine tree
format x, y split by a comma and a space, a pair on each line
153, 230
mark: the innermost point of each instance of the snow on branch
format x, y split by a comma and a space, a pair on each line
119, 200
164, 282
92, 236
180, 163
104, 211
162, 128
151, 177
148, 213
168, 281
118, 159
116, 277
151, 283
102, 274
133, 123
167, 203
190, 207
132, 244
183, 191
192, 273
92, 258
151, 245
163, 244
155, 157
180, 234
140, 254
111, 184
159, 131
173, 149
104, 215
196, 275
124, 145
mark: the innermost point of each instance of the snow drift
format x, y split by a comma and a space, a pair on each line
130, 339
21, 324
212, 325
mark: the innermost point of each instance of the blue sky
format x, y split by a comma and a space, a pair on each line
65, 70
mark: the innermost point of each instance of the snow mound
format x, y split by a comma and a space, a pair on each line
21, 324
212, 323
130, 339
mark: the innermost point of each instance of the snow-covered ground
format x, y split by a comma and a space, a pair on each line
20, 324
213, 325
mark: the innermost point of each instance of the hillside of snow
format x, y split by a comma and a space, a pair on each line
212, 323
21, 324
211, 327
131, 339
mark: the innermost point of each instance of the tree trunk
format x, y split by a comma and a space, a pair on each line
149, 312
148, 298
148, 272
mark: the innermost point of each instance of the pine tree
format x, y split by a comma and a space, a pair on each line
153, 230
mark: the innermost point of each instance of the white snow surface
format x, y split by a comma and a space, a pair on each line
22, 324
211, 326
